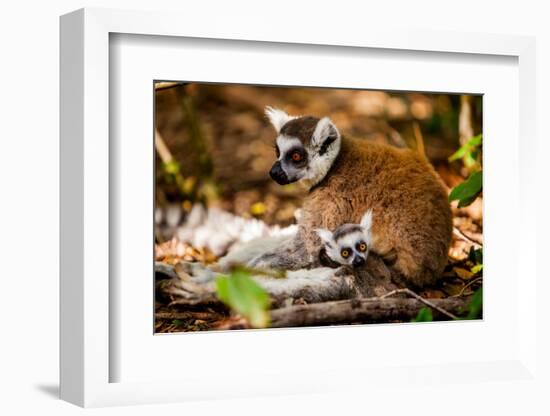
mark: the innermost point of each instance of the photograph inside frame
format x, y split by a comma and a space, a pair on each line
300, 206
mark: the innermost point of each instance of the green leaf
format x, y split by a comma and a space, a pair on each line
459, 154
467, 191
246, 297
424, 315
466, 201
468, 149
477, 268
172, 167
475, 308
476, 255
469, 160
475, 141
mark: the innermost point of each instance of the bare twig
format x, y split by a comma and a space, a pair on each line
470, 283
421, 299
163, 151
467, 238
465, 123
159, 86
419, 140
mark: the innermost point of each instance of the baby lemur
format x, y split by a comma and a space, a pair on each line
348, 245
346, 177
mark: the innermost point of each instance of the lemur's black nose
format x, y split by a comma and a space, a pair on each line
278, 174
358, 261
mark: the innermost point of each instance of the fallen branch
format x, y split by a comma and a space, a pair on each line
361, 310
421, 299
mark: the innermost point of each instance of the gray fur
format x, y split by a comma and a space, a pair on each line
290, 255
246, 253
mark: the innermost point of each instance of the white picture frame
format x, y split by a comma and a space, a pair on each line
87, 302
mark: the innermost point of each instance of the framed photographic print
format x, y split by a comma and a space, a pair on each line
287, 211
242, 189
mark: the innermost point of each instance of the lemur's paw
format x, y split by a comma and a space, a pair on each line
390, 257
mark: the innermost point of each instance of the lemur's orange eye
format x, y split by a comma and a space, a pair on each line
345, 253
362, 247
296, 157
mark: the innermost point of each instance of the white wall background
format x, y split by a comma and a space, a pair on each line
29, 99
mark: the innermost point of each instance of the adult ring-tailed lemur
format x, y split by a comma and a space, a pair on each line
345, 178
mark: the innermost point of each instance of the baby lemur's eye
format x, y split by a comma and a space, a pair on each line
296, 157
345, 253
362, 247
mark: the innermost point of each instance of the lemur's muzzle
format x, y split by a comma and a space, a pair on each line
358, 261
278, 174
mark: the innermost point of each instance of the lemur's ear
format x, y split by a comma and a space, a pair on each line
366, 220
366, 223
325, 133
277, 117
325, 235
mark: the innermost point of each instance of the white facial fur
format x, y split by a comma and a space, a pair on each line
286, 143
318, 165
349, 240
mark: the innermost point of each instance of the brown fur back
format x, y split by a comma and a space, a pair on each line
411, 214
